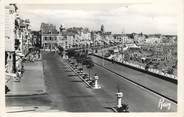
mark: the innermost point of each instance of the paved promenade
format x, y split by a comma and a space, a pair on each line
27, 95
31, 83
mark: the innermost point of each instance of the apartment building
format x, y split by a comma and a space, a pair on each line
17, 37
49, 35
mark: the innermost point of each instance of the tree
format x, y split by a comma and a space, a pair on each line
89, 64
78, 58
76, 55
83, 58
71, 53
61, 49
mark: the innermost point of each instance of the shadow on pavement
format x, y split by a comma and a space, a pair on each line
81, 96
76, 81
68, 71
72, 75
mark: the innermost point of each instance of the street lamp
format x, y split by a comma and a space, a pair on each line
96, 78
119, 99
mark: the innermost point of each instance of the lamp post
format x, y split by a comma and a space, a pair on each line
96, 86
96, 81
119, 99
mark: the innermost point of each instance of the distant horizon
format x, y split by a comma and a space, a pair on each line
112, 32
153, 18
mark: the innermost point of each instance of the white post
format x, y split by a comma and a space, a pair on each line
119, 99
96, 81
96, 86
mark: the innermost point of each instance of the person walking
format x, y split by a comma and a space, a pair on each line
6, 89
112, 60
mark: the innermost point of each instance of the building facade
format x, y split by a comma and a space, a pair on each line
49, 36
10, 56
17, 34
49, 42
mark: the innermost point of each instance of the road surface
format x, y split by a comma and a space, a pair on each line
138, 99
65, 90
166, 88
67, 93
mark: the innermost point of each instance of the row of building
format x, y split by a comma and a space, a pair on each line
17, 39
83, 37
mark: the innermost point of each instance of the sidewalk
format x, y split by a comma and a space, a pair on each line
32, 82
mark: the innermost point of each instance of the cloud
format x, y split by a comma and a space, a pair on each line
146, 18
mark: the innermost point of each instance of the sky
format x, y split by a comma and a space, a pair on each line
148, 18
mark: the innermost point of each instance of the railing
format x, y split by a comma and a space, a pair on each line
151, 71
143, 68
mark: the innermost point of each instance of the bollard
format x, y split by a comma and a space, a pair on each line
96, 81
119, 99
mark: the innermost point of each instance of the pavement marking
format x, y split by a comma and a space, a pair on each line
135, 83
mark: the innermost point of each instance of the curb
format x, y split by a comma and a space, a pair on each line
16, 109
18, 95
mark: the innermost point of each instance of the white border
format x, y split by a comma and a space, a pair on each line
180, 32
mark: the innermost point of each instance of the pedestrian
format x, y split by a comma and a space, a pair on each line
22, 70
146, 67
6, 89
112, 60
